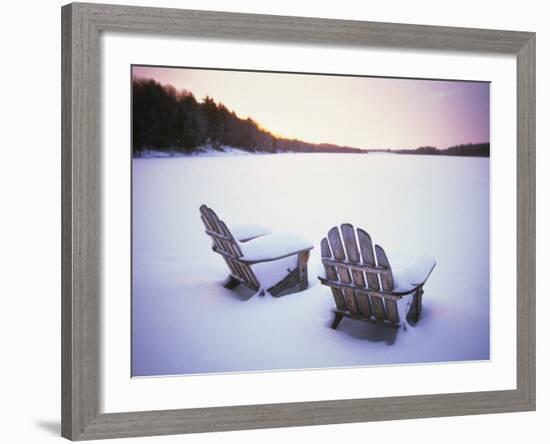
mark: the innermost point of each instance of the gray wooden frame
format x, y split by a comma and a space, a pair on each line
81, 234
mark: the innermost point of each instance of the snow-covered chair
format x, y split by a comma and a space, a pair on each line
363, 283
257, 258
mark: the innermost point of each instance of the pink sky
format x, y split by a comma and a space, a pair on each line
362, 112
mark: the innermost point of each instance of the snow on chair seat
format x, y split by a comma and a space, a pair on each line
273, 247
247, 252
247, 232
363, 284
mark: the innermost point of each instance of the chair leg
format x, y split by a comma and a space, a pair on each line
416, 306
337, 319
230, 283
303, 257
419, 303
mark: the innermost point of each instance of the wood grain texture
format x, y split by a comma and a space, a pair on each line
66, 227
526, 221
386, 278
354, 299
81, 222
363, 302
333, 32
343, 272
365, 243
164, 422
303, 258
81, 203
332, 275
225, 244
348, 234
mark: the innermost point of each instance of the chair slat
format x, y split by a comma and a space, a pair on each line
378, 308
218, 242
226, 247
206, 223
240, 271
391, 310
351, 302
231, 266
365, 244
332, 275
386, 278
339, 299
212, 222
251, 276
338, 253
336, 244
325, 252
363, 303
233, 243
348, 234
212, 219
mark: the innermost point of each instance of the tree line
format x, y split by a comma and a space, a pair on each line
170, 120
468, 149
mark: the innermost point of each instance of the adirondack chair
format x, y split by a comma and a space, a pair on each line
246, 247
363, 284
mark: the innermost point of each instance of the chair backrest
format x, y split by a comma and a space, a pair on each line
225, 244
222, 239
359, 275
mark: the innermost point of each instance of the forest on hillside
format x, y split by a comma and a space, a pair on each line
166, 119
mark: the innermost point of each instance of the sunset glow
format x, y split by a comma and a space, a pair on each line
362, 112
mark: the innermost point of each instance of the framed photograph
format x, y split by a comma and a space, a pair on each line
280, 221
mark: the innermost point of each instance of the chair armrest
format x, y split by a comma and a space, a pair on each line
418, 272
272, 247
246, 232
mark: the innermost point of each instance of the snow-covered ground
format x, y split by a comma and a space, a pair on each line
185, 322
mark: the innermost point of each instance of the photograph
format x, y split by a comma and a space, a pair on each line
286, 221
260, 222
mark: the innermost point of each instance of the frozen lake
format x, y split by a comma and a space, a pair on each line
185, 322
